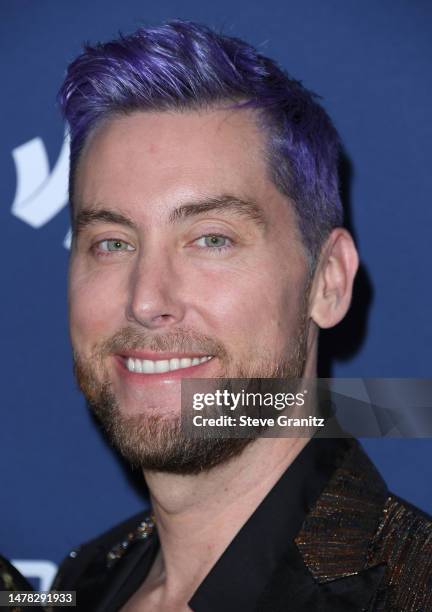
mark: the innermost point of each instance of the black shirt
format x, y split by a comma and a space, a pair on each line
242, 576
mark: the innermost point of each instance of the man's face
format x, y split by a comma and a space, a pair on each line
187, 262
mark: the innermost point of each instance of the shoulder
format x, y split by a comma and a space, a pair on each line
403, 541
357, 524
95, 557
11, 579
401, 537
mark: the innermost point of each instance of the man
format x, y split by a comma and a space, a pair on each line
207, 243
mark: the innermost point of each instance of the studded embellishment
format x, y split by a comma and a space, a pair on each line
142, 532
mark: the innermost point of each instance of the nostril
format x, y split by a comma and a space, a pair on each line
164, 317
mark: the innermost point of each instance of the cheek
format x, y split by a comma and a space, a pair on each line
246, 306
95, 302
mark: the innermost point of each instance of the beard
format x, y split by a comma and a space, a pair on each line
157, 442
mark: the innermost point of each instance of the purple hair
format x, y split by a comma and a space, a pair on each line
185, 66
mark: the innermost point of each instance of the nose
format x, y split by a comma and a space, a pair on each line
154, 293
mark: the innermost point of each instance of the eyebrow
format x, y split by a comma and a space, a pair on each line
88, 216
225, 203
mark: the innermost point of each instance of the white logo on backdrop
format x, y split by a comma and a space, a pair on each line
40, 194
44, 571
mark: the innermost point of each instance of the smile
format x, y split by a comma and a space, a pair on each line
149, 366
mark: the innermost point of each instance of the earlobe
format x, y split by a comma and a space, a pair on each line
334, 278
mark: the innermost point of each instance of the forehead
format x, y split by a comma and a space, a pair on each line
146, 163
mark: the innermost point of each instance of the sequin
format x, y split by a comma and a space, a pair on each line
143, 531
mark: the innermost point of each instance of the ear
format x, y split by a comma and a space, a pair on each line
333, 280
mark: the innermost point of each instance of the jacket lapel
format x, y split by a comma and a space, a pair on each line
293, 587
334, 543
127, 575
106, 586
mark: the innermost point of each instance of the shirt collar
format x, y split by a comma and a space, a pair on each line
241, 574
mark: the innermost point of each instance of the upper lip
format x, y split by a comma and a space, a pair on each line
156, 356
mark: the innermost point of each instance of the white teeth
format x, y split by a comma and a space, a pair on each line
174, 364
162, 366
148, 366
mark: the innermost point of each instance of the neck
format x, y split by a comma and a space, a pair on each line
198, 516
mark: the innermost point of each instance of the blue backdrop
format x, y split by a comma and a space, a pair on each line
370, 61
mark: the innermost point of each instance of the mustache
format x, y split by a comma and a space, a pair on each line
179, 340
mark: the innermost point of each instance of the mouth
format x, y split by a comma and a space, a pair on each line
161, 366
139, 366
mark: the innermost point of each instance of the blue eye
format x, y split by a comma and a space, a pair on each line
213, 241
114, 245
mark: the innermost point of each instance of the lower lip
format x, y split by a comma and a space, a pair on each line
135, 377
